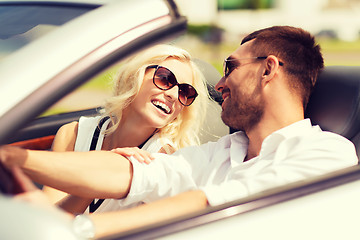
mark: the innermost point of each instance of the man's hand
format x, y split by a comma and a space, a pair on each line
12, 156
12, 179
6, 181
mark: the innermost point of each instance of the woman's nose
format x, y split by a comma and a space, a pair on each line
172, 93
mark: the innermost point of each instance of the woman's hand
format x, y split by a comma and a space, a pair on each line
139, 154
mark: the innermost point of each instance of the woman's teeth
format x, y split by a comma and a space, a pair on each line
162, 106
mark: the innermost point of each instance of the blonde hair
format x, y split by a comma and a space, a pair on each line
184, 129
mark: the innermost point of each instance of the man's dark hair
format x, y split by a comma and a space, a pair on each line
297, 49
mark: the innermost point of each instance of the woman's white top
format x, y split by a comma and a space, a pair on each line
86, 128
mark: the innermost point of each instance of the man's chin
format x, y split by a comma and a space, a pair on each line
226, 120
231, 122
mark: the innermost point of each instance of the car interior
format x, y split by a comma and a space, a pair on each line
335, 103
334, 106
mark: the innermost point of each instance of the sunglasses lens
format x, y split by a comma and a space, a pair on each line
225, 68
164, 79
187, 94
229, 66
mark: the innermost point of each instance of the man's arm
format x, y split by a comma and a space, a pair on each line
95, 174
110, 223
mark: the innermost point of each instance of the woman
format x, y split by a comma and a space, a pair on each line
153, 108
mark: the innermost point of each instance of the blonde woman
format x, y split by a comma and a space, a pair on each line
158, 105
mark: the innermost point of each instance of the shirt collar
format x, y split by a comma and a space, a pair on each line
272, 141
239, 145
293, 129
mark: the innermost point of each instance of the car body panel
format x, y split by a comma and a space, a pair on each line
328, 214
55, 59
313, 207
20, 220
50, 72
37, 75
50, 67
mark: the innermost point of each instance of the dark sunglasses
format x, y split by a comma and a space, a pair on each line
230, 64
164, 79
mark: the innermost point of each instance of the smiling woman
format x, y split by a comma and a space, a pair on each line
158, 105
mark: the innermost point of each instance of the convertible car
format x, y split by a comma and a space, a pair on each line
50, 48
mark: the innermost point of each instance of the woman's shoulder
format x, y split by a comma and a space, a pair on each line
65, 137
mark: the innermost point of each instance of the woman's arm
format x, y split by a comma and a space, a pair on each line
109, 223
64, 141
66, 137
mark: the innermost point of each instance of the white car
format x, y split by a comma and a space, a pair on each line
49, 48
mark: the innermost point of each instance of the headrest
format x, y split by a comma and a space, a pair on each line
213, 128
334, 104
212, 77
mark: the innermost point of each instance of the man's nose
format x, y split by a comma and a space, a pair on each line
220, 85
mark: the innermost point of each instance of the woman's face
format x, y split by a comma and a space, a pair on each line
155, 107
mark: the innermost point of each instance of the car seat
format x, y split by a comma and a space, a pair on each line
214, 127
335, 103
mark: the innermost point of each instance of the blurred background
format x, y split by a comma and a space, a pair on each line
216, 28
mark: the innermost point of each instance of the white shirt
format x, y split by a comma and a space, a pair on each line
86, 128
294, 153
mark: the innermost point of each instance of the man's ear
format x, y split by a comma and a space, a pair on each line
271, 67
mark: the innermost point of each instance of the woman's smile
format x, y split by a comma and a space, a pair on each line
162, 106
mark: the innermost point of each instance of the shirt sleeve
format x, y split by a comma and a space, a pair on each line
295, 160
165, 176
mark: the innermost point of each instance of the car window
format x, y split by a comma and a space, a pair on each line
90, 95
20, 25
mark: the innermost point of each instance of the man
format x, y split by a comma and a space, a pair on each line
266, 86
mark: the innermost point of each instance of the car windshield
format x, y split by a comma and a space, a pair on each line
22, 24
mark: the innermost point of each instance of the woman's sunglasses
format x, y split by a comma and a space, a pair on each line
164, 79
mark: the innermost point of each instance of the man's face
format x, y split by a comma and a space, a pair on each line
243, 105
